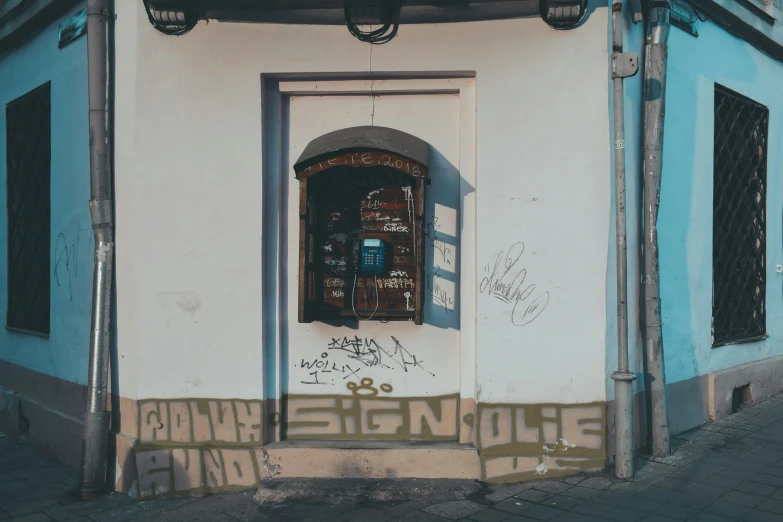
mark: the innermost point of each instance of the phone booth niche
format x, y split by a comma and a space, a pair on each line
361, 211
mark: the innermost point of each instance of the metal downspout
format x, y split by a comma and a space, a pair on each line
92, 478
655, 57
623, 65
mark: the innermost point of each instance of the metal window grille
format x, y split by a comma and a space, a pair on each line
28, 161
739, 219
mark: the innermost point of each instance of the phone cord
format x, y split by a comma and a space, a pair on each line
377, 300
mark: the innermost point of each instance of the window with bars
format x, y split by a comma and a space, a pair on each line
28, 162
739, 219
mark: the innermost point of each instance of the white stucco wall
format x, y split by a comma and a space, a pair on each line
189, 196
436, 344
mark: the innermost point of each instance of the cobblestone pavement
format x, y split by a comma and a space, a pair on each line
730, 470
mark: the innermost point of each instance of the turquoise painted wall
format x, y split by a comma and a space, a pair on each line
64, 354
685, 220
685, 216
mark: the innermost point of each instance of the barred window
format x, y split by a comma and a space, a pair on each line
739, 219
28, 162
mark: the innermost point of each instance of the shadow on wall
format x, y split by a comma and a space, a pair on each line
115, 419
442, 229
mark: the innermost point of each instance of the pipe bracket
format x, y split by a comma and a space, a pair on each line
625, 65
623, 376
100, 212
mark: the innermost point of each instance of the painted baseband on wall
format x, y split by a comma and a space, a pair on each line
519, 442
367, 415
200, 421
194, 446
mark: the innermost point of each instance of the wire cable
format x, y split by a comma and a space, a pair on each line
377, 300
562, 25
175, 28
390, 20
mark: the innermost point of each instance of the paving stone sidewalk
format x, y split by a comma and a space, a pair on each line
730, 470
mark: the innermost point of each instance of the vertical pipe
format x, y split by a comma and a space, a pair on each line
623, 379
92, 479
655, 56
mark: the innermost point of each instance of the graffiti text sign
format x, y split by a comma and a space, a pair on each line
168, 471
523, 441
198, 421
366, 415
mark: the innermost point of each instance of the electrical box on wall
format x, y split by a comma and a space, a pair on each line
361, 211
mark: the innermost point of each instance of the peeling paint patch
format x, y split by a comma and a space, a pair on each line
564, 443
271, 469
187, 302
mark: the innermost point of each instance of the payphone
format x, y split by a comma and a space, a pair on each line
369, 258
372, 259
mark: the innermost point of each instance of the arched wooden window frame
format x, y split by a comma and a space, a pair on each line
363, 147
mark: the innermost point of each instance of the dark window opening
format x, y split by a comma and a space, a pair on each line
741, 397
739, 219
28, 162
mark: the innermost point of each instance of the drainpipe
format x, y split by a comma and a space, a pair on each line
92, 478
655, 56
623, 66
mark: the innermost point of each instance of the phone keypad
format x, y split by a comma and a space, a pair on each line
372, 258
372, 262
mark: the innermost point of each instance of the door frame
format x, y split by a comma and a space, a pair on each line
275, 89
